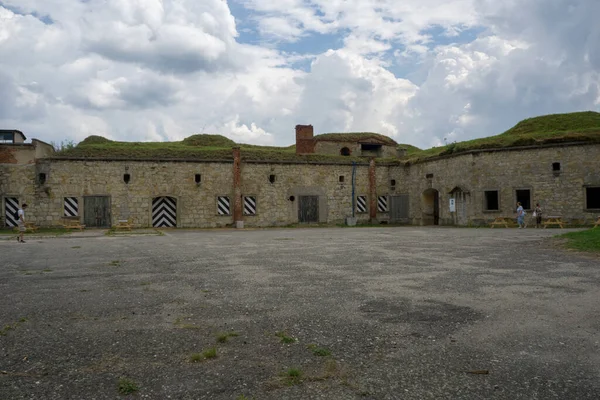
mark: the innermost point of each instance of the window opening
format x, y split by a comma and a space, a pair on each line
341, 178
371, 149
198, 178
71, 207
491, 199
223, 205
42, 178
249, 205
126, 178
382, 204
556, 167
393, 182
524, 197
345, 151
272, 178
429, 176
592, 198
361, 204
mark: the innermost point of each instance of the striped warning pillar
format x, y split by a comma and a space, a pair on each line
237, 189
372, 192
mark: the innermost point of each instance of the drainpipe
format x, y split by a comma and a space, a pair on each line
353, 188
237, 189
372, 192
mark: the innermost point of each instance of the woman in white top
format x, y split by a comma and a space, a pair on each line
21, 222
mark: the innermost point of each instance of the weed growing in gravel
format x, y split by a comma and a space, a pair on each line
223, 337
205, 355
242, 397
14, 326
210, 353
115, 263
47, 270
319, 351
76, 247
127, 386
285, 338
293, 376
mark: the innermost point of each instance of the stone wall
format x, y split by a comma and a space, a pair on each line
463, 177
470, 175
335, 148
196, 202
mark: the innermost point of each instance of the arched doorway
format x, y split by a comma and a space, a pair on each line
430, 207
164, 212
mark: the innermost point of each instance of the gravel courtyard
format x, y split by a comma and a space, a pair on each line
331, 313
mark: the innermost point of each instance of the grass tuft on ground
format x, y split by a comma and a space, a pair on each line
127, 386
588, 240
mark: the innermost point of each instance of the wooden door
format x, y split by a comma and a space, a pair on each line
96, 211
399, 208
308, 209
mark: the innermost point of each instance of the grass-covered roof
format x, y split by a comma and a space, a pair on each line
355, 137
549, 129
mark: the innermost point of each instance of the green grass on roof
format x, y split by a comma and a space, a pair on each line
549, 129
354, 137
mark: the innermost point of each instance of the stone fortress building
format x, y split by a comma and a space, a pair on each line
324, 179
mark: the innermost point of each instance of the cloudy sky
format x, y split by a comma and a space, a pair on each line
416, 70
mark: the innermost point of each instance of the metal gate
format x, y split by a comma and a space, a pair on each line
399, 208
308, 209
164, 212
11, 206
96, 211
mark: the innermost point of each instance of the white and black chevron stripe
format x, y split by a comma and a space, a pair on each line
382, 204
11, 206
164, 212
71, 207
223, 207
249, 205
361, 204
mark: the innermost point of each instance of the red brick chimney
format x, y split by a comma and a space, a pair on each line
305, 143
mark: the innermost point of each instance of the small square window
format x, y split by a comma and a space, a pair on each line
429, 176
556, 167
197, 178
272, 178
126, 178
42, 178
361, 204
223, 205
341, 179
393, 182
491, 200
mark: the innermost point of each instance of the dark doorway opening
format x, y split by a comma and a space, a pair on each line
430, 207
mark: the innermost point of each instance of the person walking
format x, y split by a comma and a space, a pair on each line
520, 215
21, 222
537, 214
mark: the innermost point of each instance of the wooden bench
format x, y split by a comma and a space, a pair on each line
507, 222
29, 227
553, 220
125, 224
72, 224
